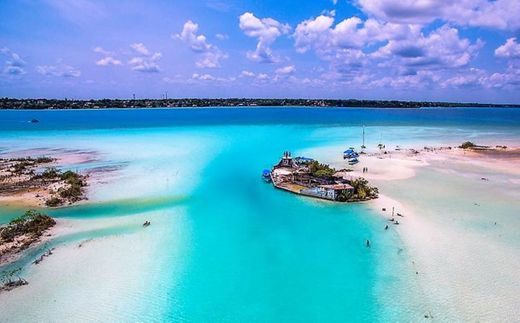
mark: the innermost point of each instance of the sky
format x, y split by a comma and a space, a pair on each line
431, 50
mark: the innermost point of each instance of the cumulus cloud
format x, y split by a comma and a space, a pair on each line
383, 53
511, 49
473, 77
211, 59
500, 14
108, 59
508, 79
247, 74
203, 77
198, 43
286, 70
100, 50
442, 48
262, 77
59, 70
210, 55
321, 35
266, 31
209, 77
14, 64
145, 62
139, 48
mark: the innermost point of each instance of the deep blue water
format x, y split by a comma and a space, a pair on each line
137, 118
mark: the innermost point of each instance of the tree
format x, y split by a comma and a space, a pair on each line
467, 144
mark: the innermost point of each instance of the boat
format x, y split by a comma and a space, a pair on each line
266, 176
350, 154
353, 161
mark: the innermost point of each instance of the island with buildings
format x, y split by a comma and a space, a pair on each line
307, 177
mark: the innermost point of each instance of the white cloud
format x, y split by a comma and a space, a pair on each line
247, 74
203, 77
511, 49
392, 54
500, 14
209, 77
286, 70
198, 43
140, 49
262, 77
146, 62
100, 50
210, 55
266, 30
59, 70
107, 61
508, 79
14, 64
442, 48
211, 59
472, 77
351, 33
222, 36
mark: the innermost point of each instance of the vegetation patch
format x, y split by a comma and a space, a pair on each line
31, 223
467, 145
50, 185
22, 232
362, 191
321, 170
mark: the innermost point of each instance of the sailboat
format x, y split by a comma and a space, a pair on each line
363, 145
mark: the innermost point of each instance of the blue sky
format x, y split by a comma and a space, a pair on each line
366, 49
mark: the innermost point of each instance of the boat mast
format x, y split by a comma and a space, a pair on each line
363, 146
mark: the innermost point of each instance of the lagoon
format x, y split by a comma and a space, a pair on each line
224, 246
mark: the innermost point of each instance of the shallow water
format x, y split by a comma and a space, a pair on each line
223, 245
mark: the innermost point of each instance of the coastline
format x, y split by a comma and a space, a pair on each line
441, 250
60, 228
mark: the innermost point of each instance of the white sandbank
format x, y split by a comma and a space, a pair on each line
465, 272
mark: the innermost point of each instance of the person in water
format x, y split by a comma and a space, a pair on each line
368, 243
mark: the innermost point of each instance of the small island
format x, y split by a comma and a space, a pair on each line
40, 180
308, 177
22, 233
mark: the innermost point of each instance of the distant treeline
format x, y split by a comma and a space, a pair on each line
6, 103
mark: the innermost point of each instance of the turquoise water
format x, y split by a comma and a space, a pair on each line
224, 246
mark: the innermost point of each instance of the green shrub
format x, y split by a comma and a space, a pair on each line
467, 144
31, 222
321, 170
44, 160
54, 201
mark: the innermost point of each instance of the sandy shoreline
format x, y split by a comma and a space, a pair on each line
398, 165
441, 250
61, 227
